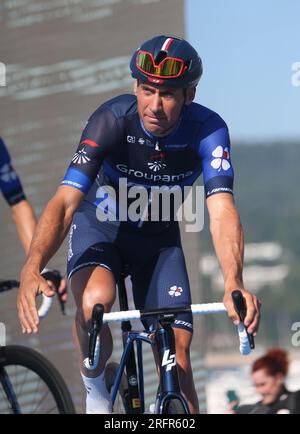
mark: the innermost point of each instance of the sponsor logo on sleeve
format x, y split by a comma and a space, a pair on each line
221, 159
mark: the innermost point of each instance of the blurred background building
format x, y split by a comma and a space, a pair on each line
63, 58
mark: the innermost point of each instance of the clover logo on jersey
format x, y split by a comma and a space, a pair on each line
221, 160
6, 174
175, 291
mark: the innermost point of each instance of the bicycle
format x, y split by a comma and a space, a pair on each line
29, 383
127, 389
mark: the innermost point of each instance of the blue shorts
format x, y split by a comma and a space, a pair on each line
155, 262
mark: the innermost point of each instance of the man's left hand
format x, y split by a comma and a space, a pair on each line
253, 310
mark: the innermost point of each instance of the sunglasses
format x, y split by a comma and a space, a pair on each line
169, 67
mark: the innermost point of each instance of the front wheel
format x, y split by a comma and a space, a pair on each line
30, 384
175, 406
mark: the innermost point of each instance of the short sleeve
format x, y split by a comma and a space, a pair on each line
99, 136
10, 184
215, 153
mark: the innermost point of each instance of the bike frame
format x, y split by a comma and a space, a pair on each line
164, 340
169, 384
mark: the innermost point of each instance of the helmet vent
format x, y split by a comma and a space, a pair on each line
161, 56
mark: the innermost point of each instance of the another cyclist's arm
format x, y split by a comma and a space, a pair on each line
25, 221
12, 190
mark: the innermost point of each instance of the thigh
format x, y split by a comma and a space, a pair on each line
92, 245
94, 263
163, 282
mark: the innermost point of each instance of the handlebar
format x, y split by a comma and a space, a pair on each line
246, 340
46, 303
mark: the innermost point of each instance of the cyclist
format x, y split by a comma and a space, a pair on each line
21, 210
156, 137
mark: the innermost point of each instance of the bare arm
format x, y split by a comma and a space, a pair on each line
53, 226
228, 240
49, 235
25, 221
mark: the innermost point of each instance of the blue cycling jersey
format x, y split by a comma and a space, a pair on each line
10, 184
115, 144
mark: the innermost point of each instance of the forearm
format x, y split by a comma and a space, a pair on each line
228, 239
49, 235
25, 220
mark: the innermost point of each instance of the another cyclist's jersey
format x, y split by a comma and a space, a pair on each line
10, 184
115, 144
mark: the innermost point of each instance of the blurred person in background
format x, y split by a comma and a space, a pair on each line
269, 374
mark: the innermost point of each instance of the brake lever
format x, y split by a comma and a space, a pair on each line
241, 309
96, 324
55, 277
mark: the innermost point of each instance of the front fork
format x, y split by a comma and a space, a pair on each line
169, 387
9, 391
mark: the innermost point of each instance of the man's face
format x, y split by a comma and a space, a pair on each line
267, 386
160, 108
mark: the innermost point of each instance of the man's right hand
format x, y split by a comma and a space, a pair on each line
31, 285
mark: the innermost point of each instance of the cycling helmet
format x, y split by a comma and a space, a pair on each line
167, 60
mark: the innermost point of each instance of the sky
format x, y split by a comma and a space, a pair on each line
248, 49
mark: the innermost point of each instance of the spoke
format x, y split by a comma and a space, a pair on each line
42, 399
36, 394
22, 376
4, 401
52, 410
26, 371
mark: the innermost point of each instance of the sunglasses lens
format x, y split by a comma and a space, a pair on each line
145, 62
167, 68
170, 67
